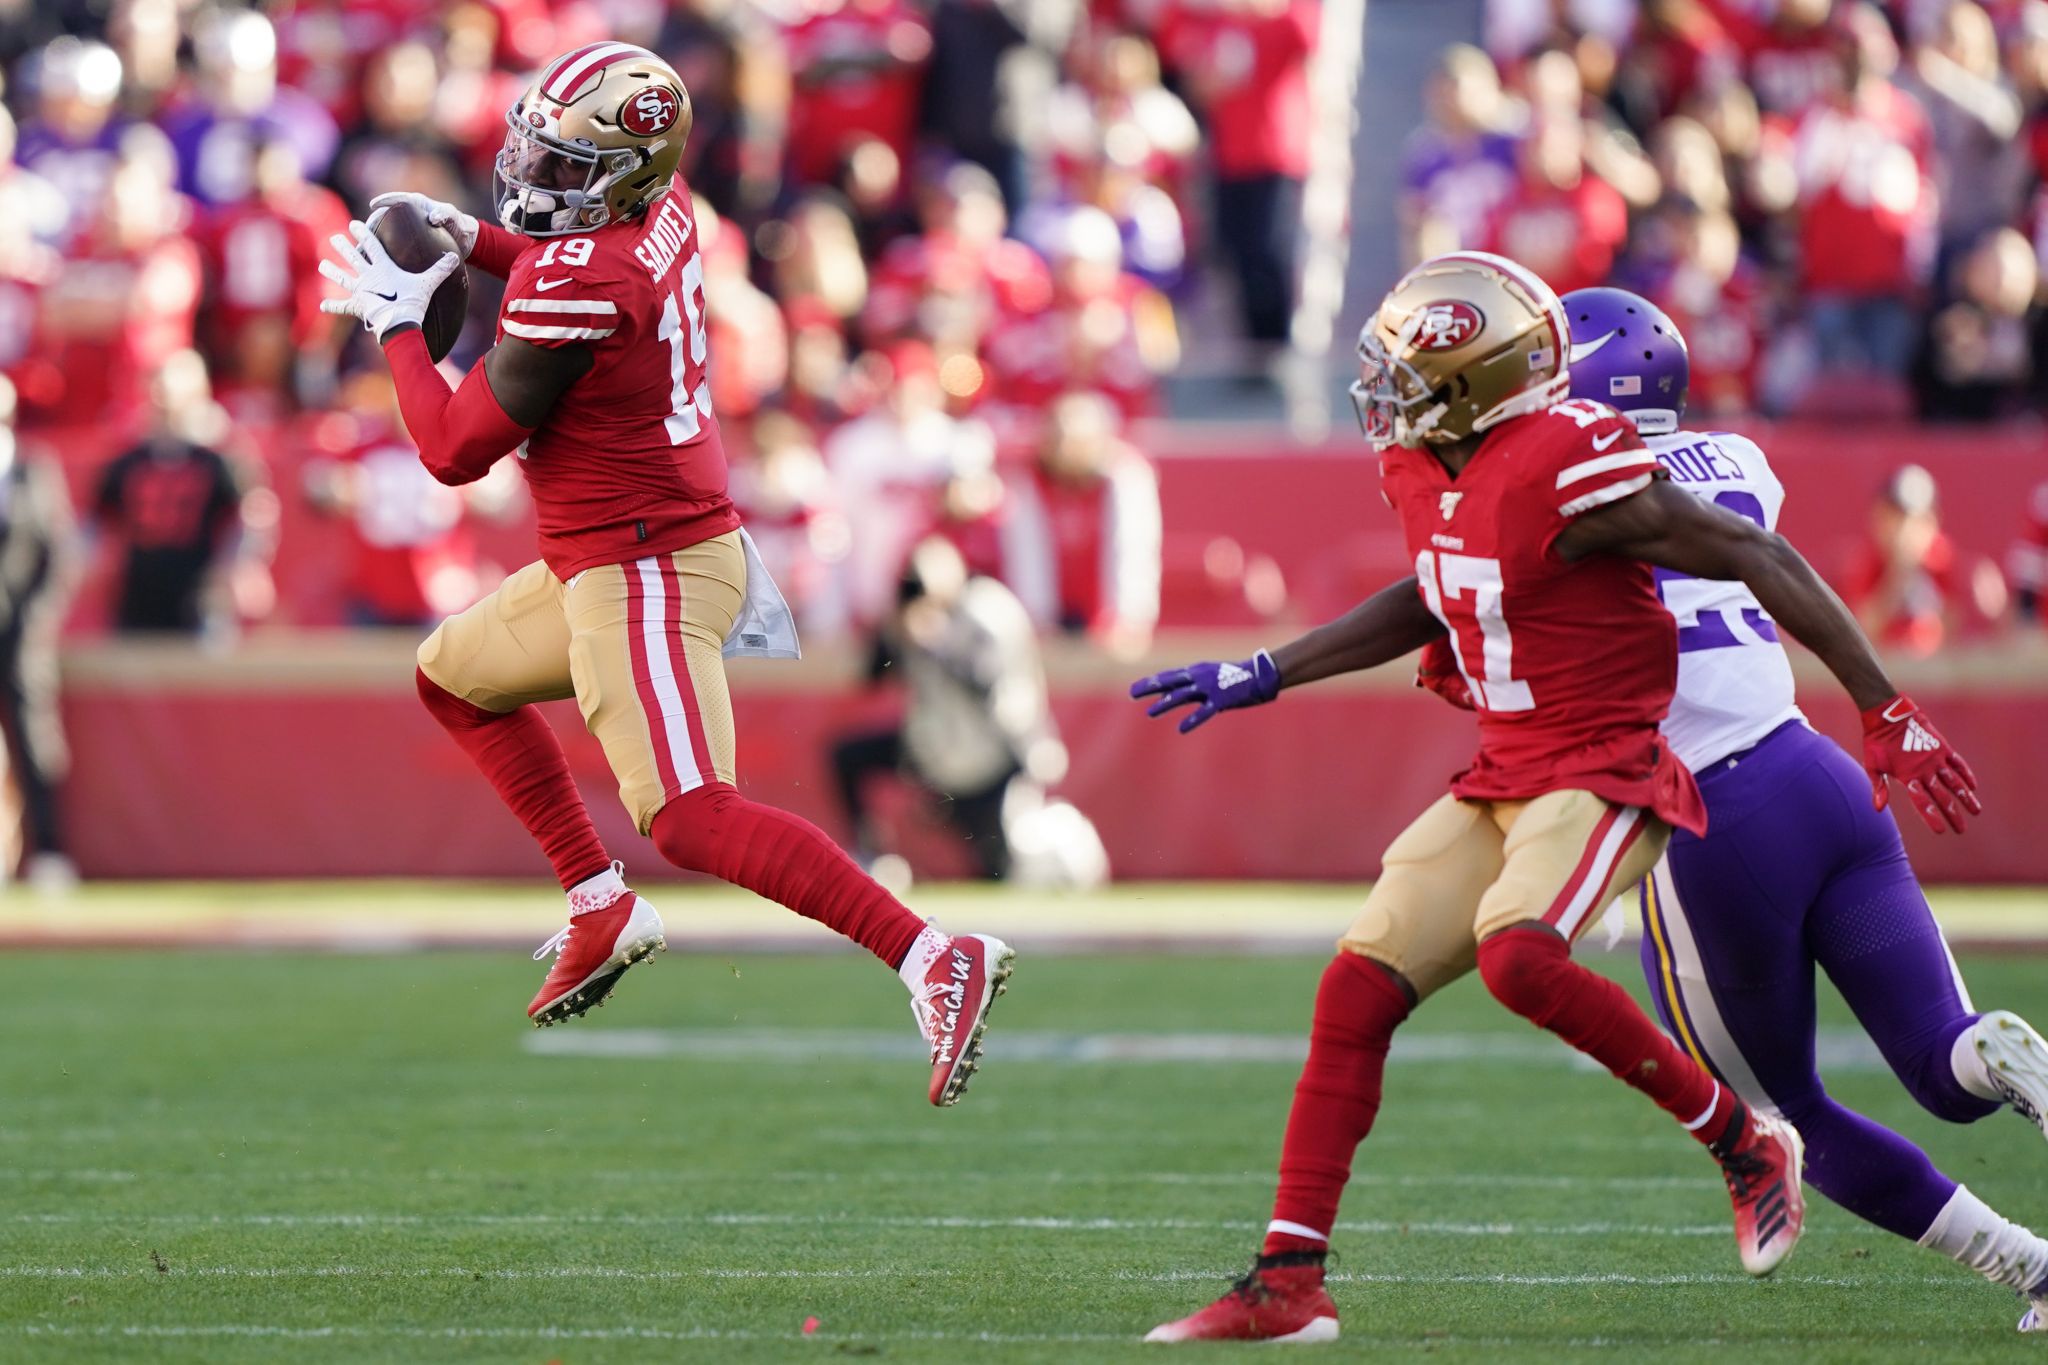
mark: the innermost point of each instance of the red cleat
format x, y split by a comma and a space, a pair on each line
1763, 1180
1282, 1303
950, 999
591, 954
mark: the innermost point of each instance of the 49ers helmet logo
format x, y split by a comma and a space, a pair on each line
651, 111
1447, 323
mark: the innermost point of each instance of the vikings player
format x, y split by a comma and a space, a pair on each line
1797, 867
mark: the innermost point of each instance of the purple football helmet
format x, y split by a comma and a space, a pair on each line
1628, 355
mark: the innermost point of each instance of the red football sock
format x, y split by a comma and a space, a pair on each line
1358, 1006
1529, 969
787, 859
520, 755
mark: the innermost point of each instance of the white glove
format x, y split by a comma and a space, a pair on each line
376, 290
438, 214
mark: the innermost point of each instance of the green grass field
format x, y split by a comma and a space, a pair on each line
230, 1157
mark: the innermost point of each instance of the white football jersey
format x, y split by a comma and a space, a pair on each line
1734, 681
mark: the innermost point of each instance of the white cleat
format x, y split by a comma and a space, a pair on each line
2036, 1319
2015, 1057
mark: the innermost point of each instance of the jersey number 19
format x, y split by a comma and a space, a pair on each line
689, 379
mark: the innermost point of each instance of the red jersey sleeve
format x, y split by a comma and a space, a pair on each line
1593, 456
565, 302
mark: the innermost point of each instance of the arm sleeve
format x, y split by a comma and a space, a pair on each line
496, 249
460, 433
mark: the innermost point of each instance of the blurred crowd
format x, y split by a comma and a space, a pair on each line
1840, 201
946, 246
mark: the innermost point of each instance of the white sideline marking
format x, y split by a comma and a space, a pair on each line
31, 1272
1021, 1223
1221, 1179
353, 1332
1835, 1049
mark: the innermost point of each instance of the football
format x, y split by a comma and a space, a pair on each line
415, 244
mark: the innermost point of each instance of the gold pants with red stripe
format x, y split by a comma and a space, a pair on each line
1468, 869
637, 644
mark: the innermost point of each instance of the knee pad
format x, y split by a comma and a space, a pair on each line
690, 830
1520, 966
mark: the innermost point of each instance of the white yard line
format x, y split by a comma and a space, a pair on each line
1020, 1223
228, 1272
248, 1175
383, 1332
1837, 1049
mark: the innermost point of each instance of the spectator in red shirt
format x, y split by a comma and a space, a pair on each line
1560, 220
1244, 63
951, 281
1866, 216
124, 300
855, 69
2026, 563
1081, 534
1902, 580
1103, 330
264, 326
1716, 296
1788, 50
412, 555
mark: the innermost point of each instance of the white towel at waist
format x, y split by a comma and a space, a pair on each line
764, 629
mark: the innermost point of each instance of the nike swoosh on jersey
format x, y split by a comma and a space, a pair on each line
1601, 443
542, 286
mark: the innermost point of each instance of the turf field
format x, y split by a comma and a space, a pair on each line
255, 1156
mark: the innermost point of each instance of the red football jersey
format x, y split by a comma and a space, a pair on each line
1571, 665
628, 463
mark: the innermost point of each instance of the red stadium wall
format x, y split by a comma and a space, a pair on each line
328, 766
308, 755
1317, 513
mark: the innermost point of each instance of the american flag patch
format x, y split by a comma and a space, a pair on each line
1624, 385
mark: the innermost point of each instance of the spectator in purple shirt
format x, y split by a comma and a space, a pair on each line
238, 105
74, 137
1460, 163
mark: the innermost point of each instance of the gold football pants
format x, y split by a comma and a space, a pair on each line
1468, 869
639, 645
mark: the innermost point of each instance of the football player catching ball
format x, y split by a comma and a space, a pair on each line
645, 579
1533, 520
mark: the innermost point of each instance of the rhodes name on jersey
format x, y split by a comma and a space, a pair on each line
1734, 681
628, 463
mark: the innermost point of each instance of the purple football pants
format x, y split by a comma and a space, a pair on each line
1797, 869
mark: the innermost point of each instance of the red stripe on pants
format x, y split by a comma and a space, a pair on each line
643, 679
686, 688
1585, 867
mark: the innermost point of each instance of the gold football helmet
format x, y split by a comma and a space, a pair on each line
594, 140
1464, 342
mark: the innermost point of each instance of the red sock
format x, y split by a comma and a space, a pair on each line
1530, 970
787, 859
1358, 1007
520, 755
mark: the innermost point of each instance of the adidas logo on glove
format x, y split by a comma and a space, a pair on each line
1232, 675
1917, 740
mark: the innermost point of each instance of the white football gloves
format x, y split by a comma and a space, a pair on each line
375, 289
460, 226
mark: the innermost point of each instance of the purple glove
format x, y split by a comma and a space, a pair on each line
1211, 687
